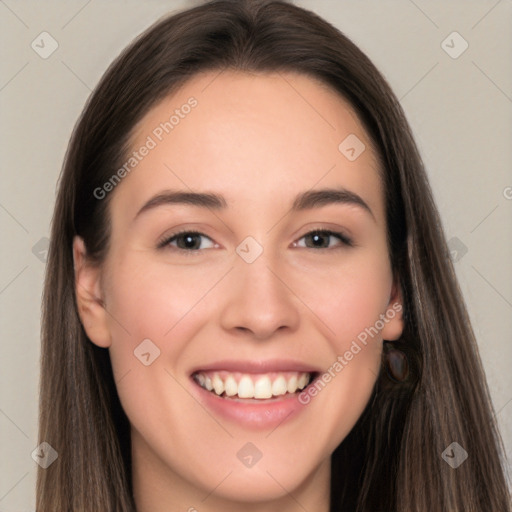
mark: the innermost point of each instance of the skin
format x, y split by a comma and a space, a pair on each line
259, 140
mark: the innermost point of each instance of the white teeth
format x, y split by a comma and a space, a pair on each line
279, 386
231, 387
245, 388
303, 381
263, 388
252, 386
292, 384
218, 385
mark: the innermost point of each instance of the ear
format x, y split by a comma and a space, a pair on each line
89, 296
394, 320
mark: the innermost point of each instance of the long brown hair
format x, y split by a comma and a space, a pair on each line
391, 460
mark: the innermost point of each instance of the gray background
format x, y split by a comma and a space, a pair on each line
459, 109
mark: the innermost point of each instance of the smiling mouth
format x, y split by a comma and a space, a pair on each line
259, 386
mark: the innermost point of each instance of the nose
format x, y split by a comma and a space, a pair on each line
259, 300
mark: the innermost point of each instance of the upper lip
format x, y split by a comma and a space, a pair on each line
255, 366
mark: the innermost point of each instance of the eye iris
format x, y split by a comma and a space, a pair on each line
191, 241
319, 237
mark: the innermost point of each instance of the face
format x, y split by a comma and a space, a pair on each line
245, 327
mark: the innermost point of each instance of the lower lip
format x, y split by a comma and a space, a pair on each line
258, 414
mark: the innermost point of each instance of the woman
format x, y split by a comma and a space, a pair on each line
249, 301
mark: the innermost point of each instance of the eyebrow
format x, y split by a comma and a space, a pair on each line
304, 201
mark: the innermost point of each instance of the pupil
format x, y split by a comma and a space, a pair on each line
189, 241
317, 238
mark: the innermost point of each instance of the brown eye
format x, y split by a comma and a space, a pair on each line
185, 240
321, 239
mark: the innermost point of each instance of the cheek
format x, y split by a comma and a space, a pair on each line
146, 304
151, 302
348, 298
348, 302
149, 299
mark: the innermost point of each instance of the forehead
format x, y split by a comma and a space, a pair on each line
257, 139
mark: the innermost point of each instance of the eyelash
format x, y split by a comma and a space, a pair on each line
347, 242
